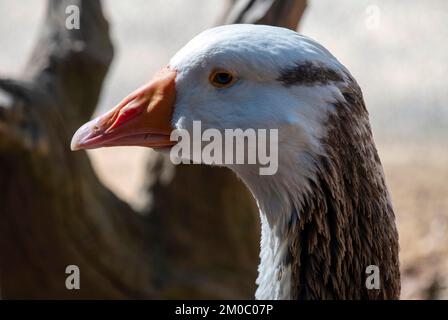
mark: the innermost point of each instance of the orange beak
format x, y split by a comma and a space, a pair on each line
142, 119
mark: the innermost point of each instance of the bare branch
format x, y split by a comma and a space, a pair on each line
282, 13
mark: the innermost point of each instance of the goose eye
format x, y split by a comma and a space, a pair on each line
221, 79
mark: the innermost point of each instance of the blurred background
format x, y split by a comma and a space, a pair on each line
397, 51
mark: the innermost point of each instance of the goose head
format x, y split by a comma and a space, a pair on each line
236, 77
328, 179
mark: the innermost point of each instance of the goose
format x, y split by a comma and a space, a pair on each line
326, 214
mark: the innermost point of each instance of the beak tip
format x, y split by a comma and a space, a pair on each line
79, 137
74, 144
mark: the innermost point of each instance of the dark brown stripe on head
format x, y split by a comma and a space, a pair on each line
309, 73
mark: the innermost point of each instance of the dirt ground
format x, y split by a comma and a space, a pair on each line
417, 178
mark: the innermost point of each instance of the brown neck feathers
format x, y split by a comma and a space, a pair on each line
347, 222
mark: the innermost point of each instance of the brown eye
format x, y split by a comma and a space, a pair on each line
221, 79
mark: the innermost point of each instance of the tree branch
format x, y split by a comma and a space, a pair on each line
281, 13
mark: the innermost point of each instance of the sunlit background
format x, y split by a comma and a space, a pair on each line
397, 50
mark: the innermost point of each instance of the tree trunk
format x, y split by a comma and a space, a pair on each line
200, 238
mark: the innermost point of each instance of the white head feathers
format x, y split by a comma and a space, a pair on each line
264, 97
